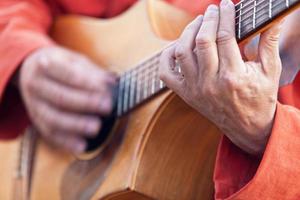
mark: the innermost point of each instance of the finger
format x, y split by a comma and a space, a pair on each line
184, 49
268, 50
72, 99
52, 118
251, 49
229, 54
167, 73
68, 142
206, 49
77, 72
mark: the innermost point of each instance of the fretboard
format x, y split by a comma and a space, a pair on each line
252, 15
142, 82
139, 84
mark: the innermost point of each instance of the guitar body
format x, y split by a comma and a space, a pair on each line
167, 150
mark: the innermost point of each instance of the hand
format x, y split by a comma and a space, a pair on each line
239, 97
63, 92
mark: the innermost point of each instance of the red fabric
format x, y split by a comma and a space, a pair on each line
276, 175
23, 28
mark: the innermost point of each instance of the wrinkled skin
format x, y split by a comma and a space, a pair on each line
239, 97
63, 92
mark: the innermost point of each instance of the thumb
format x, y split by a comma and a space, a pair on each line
268, 49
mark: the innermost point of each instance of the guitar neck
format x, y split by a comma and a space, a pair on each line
142, 82
252, 16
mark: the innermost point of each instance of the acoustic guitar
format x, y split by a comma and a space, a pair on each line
153, 146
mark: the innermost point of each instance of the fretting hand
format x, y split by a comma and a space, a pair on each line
63, 92
239, 97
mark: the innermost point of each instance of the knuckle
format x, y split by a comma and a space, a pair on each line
224, 36
58, 98
181, 52
50, 119
230, 82
273, 38
203, 41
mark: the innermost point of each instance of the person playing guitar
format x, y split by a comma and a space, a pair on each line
61, 91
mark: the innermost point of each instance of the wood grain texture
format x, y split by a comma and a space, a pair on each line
8, 168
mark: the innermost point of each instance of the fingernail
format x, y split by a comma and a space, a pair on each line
224, 2
92, 127
212, 7
80, 147
199, 18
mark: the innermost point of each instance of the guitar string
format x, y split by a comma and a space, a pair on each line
150, 76
136, 75
248, 3
245, 19
245, 12
142, 65
275, 4
247, 29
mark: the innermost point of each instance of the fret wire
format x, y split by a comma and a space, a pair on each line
146, 73
147, 87
146, 84
274, 5
254, 14
126, 92
270, 9
250, 9
155, 76
261, 9
143, 64
138, 70
161, 84
146, 65
142, 83
279, 2
132, 89
246, 5
120, 96
151, 80
150, 76
259, 14
138, 88
240, 20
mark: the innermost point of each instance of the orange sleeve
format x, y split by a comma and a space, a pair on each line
274, 176
23, 28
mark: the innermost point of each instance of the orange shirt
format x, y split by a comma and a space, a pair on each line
23, 28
